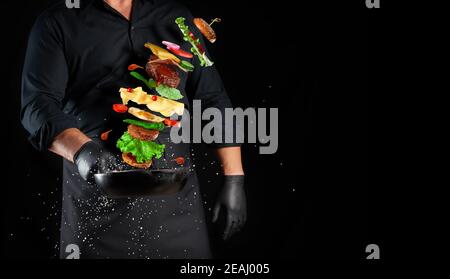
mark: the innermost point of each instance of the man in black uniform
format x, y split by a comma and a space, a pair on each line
75, 63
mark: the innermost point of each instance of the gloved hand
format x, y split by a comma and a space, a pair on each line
91, 158
232, 199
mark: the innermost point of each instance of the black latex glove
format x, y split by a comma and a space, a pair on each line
232, 199
91, 158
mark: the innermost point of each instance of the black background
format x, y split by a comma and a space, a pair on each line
308, 58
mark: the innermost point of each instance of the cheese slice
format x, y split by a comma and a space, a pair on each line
162, 53
144, 115
162, 105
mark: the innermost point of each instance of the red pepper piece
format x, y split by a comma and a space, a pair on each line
119, 108
181, 52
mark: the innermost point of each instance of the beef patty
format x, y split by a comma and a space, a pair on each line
162, 72
141, 133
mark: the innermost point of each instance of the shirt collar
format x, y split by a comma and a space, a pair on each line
136, 3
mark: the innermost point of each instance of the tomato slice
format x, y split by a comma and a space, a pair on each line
171, 123
180, 52
119, 108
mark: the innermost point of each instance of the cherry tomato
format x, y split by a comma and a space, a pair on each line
119, 108
104, 136
181, 52
129, 89
179, 160
154, 98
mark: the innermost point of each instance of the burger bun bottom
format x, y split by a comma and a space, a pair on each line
131, 160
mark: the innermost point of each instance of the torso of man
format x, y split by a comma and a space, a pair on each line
80, 57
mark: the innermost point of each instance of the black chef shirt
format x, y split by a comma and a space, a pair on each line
75, 63
77, 59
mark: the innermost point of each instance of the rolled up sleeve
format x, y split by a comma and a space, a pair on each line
44, 81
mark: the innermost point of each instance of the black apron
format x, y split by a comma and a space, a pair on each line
156, 227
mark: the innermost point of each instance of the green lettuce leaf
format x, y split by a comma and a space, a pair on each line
204, 60
163, 90
144, 151
149, 83
169, 92
146, 125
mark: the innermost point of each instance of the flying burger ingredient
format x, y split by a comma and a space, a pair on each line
162, 105
179, 160
171, 123
147, 125
199, 46
150, 83
168, 92
162, 73
195, 42
138, 132
161, 53
181, 53
131, 160
170, 45
155, 59
142, 150
133, 67
187, 65
104, 136
119, 108
144, 115
206, 28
